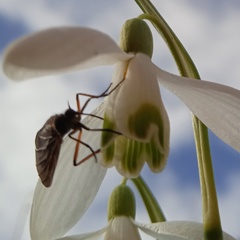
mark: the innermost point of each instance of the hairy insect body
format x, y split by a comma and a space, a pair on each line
48, 142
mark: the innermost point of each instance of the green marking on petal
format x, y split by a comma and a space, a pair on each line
156, 160
141, 121
132, 155
107, 137
128, 154
108, 154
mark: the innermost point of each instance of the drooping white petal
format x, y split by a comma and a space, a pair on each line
122, 228
57, 209
176, 230
59, 50
216, 105
139, 88
87, 236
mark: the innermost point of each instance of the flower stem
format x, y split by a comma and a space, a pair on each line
184, 63
124, 181
211, 216
154, 210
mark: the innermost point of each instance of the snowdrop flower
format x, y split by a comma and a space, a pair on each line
121, 225
135, 108
121, 212
66, 49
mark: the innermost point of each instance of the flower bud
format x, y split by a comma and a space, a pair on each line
136, 37
121, 202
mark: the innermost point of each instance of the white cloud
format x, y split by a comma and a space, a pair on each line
34, 14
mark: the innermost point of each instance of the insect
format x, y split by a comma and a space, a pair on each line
49, 138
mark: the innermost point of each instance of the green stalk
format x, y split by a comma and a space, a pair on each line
184, 63
211, 216
154, 210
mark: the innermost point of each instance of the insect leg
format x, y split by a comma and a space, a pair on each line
90, 97
77, 146
87, 157
100, 129
104, 94
78, 140
92, 115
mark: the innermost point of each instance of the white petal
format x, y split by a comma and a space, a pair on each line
176, 230
59, 50
86, 236
216, 105
57, 209
122, 228
139, 87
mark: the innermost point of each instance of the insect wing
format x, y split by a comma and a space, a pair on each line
48, 143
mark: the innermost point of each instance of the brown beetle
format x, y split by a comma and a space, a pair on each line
50, 137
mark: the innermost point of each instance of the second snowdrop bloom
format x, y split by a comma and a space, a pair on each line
122, 225
121, 212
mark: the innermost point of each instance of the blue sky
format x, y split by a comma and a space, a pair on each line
208, 29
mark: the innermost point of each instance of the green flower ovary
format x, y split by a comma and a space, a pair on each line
136, 37
107, 136
121, 202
